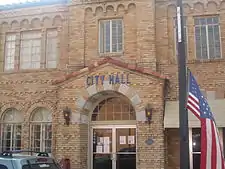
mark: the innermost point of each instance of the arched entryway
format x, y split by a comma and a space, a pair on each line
113, 132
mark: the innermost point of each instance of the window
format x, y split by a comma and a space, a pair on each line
196, 147
31, 55
207, 38
30, 50
10, 47
111, 36
51, 46
115, 108
185, 35
41, 130
11, 130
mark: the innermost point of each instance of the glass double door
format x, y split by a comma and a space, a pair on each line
114, 147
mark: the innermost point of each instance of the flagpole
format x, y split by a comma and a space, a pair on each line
182, 74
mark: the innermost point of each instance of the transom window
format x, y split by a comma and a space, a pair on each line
115, 108
41, 130
207, 38
31, 45
11, 130
111, 36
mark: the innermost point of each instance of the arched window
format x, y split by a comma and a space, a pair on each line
115, 108
11, 130
41, 130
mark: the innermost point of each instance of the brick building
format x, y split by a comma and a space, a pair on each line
103, 62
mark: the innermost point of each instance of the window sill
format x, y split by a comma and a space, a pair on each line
115, 54
206, 60
30, 70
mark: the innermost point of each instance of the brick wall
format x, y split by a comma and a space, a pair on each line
209, 74
149, 41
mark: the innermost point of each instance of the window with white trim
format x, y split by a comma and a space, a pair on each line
51, 46
10, 48
195, 148
41, 130
30, 50
31, 46
111, 36
11, 130
207, 38
185, 35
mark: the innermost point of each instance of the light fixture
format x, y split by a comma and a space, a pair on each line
148, 113
67, 114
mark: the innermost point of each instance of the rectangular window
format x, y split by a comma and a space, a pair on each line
30, 50
10, 48
185, 35
196, 147
51, 49
207, 38
11, 137
111, 36
41, 136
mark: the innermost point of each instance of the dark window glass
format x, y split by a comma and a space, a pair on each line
196, 140
196, 147
196, 161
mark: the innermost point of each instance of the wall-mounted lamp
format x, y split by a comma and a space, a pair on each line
66, 114
148, 113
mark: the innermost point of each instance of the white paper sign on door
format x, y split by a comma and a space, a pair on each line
106, 140
131, 140
106, 148
122, 139
101, 140
98, 149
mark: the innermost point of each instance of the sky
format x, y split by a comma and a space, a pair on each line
6, 2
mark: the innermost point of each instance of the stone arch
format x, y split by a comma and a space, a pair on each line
35, 23
24, 23
88, 10
4, 26
171, 10
39, 110
87, 104
105, 97
14, 24
18, 115
120, 8
57, 20
199, 7
212, 6
131, 7
47, 21
187, 8
222, 5
8, 106
110, 9
38, 105
99, 10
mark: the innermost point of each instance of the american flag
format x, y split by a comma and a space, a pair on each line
211, 150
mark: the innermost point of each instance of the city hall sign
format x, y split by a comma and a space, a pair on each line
115, 78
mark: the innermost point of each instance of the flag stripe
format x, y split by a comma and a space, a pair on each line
213, 148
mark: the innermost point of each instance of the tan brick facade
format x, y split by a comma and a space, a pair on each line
148, 47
